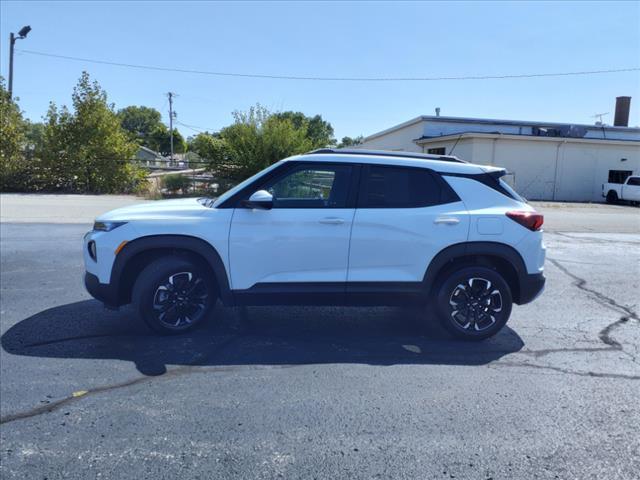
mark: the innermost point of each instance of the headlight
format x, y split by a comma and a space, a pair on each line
107, 226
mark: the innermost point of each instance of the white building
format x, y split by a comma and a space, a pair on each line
547, 161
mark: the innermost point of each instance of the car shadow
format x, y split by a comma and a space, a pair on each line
252, 336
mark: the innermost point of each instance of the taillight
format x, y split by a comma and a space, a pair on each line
531, 220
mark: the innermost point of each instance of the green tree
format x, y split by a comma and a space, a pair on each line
350, 142
254, 141
140, 122
319, 131
160, 140
205, 144
14, 169
87, 150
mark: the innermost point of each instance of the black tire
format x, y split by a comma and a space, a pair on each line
474, 303
173, 295
612, 196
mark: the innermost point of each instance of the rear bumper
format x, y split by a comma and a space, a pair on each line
105, 292
531, 286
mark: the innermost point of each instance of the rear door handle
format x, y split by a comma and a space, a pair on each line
332, 221
447, 220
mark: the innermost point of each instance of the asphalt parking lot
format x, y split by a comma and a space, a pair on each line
320, 392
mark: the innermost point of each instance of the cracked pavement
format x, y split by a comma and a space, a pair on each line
324, 392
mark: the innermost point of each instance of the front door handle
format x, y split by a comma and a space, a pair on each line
447, 220
332, 221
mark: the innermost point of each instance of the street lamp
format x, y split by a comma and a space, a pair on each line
24, 31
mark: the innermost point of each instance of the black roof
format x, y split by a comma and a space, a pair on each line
386, 153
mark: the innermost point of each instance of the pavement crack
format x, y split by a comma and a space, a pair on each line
193, 367
605, 335
69, 339
599, 297
571, 372
586, 239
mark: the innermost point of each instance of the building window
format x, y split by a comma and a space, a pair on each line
437, 151
619, 176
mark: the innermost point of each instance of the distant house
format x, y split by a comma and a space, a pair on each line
151, 158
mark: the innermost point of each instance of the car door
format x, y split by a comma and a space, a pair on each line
302, 242
404, 217
631, 190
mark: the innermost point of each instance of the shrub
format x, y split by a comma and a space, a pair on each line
176, 182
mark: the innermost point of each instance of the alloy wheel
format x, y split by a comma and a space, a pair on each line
475, 304
180, 300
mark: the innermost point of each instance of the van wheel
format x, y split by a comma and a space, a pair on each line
474, 303
173, 295
612, 196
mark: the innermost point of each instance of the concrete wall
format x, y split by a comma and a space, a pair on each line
401, 139
543, 168
559, 169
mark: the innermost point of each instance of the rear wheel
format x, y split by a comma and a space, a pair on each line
474, 303
173, 295
612, 196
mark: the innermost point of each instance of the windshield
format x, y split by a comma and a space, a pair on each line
229, 193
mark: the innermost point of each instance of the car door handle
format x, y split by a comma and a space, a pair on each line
447, 220
332, 221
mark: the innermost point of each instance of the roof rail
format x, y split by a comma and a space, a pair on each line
386, 153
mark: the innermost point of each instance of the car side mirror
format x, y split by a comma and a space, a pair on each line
260, 199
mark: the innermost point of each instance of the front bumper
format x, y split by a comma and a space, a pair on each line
531, 286
104, 292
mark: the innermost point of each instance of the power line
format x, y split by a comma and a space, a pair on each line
333, 79
196, 128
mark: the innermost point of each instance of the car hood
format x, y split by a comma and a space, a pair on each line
162, 209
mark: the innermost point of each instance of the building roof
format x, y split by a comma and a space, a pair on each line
386, 153
489, 121
519, 136
394, 158
148, 150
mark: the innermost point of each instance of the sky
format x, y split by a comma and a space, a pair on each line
332, 39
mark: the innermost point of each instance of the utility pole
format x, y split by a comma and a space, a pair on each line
12, 42
171, 95
22, 34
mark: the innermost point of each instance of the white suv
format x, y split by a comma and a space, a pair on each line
331, 227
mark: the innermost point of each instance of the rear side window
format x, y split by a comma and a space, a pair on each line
402, 187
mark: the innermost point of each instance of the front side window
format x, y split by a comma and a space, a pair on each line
634, 181
398, 187
322, 186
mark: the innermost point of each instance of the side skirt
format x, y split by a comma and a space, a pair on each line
333, 293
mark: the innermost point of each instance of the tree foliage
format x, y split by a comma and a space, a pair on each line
160, 140
350, 142
254, 141
318, 131
140, 122
86, 150
14, 170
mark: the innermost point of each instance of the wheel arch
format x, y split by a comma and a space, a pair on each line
499, 256
138, 253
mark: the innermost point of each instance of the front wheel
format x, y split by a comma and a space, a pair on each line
173, 295
474, 303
